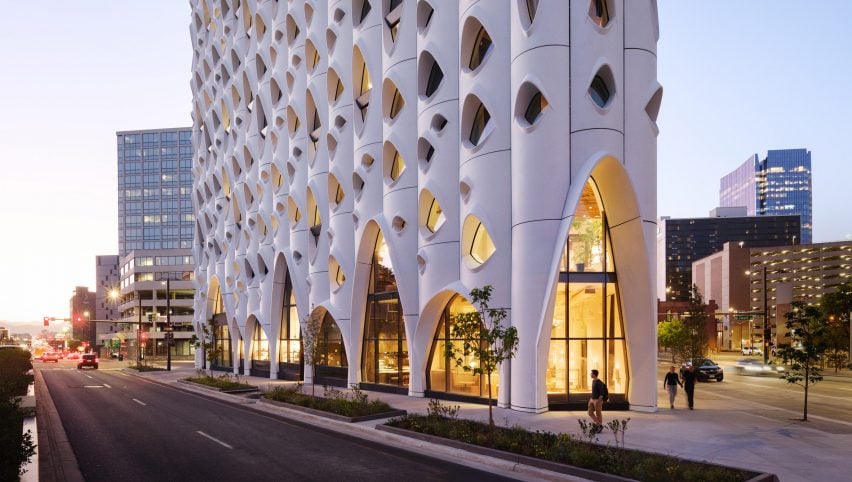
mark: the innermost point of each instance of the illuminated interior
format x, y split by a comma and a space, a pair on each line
587, 331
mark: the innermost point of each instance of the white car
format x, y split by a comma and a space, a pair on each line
750, 366
752, 350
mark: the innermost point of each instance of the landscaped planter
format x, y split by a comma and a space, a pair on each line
334, 416
550, 465
221, 390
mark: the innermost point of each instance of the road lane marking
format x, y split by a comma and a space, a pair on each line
92, 386
107, 385
139, 402
199, 432
90, 377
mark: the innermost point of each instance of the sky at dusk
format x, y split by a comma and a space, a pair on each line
739, 78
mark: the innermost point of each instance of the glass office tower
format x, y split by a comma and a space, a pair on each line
154, 185
778, 185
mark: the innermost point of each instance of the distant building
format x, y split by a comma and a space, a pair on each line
682, 241
82, 309
674, 310
4, 333
106, 307
734, 278
156, 220
780, 184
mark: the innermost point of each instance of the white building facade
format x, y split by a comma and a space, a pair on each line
366, 163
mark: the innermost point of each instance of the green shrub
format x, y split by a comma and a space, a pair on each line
222, 382
333, 401
565, 448
16, 447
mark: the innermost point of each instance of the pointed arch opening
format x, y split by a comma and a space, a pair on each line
259, 351
587, 331
444, 378
332, 366
290, 362
385, 354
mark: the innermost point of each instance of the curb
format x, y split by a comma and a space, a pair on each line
56, 458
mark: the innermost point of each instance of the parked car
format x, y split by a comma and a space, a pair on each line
750, 366
49, 357
708, 369
88, 360
752, 350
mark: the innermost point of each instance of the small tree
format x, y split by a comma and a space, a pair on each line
210, 350
312, 346
695, 320
806, 327
673, 335
480, 335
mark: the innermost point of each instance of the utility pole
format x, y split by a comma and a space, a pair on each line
139, 332
169, 332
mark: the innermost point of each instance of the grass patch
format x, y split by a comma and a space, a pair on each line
333, 401
443, 421
222, 382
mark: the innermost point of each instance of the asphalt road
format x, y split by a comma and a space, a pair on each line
123, 428
829, 401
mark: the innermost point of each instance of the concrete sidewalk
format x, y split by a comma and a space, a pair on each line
724, 431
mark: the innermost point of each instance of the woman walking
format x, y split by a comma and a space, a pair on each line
670, 383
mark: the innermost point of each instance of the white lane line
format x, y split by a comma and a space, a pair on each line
107, 385
223, 444
90, 377
139, 402
92, 386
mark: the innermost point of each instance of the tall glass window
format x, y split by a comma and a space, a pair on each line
444, 375
222, 341
587, 331
385, 350
260, 351
290, 347
332, 350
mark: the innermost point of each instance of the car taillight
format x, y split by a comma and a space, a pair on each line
96, 360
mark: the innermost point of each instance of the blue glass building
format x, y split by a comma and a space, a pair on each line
778, 185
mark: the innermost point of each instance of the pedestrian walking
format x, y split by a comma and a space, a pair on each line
599, 395
670, 383
690, 375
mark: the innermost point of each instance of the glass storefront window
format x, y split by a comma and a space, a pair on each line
385, 348
290, 350
222, 341
444, 374
332, 349
587, 297
259, 345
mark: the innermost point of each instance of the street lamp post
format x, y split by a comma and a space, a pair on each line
139, 332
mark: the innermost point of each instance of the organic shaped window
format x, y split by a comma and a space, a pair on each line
395, 166
336, 276
292, 29
599, 91
335, 191
365, 10
393, 17
295, 214
534, 109
480, 121
532, 8
315, 129
481, 46
424, 15
338, 89
259, 345
312, 54
477, 246
396, 104
600, 12
436, 75
314, 219
331, 348
431, 215
365, 85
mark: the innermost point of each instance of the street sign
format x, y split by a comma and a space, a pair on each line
744, 317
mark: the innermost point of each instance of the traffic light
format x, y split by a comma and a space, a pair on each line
46, 321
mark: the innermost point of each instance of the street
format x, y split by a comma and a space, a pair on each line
125, 428
828, 400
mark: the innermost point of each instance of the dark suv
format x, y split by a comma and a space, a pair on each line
88, 360
707, 369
